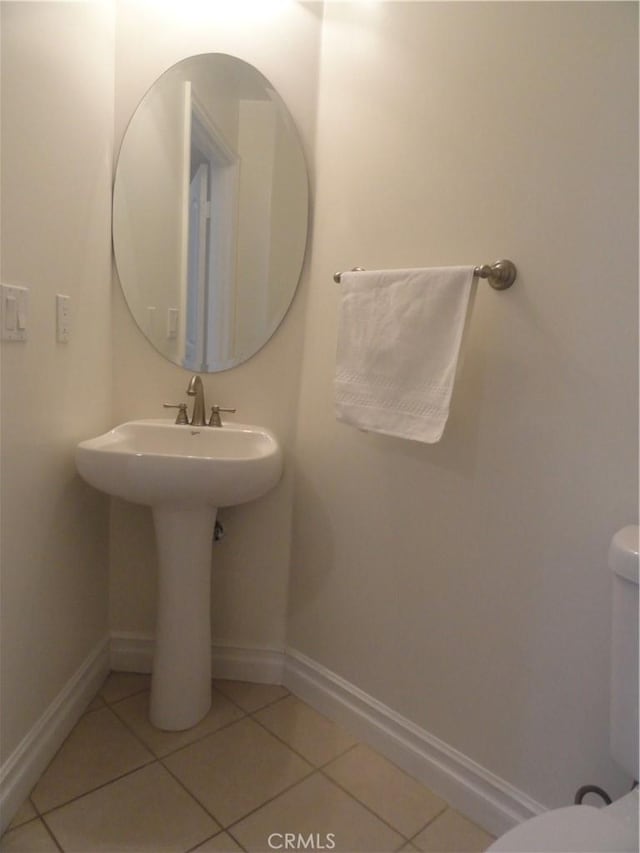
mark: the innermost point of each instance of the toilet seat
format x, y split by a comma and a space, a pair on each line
574, 829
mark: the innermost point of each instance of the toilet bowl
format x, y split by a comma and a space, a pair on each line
585, 829
577, 829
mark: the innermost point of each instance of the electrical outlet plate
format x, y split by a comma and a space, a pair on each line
63, 318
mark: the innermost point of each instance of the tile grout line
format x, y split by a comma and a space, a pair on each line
19, 825
247, 715
30, 798
193, 796
97, 788
316, 769
52, 834
109, 704
89, 710
320, 769
103, 784
185, 745
231, 835
227, 827
255, 710
54, 756
294, 750
210, 838
404, 837
160, 760
288, 788
155, 760
428, 823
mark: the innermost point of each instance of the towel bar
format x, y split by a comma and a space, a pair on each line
501, 275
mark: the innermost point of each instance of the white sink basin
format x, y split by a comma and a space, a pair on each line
184, 473
157, 462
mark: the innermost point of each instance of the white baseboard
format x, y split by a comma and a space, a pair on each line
134, 653
264, 666
476, 792
131, 652
483, 797
20, 772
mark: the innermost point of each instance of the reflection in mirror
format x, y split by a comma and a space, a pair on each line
210, 212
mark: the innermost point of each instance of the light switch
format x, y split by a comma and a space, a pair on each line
63, 318
172, 322
11, 313
15, 312
21, 316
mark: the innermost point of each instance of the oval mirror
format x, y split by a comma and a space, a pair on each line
210, 208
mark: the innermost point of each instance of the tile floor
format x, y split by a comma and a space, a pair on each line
261, 764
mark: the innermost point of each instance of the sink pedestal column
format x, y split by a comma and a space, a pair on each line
181, 680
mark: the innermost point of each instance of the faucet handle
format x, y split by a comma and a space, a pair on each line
181, 417
215, 420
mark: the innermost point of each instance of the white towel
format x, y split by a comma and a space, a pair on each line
399, 337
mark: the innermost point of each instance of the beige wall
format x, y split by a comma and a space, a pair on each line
251, 565
57, 120
465, 584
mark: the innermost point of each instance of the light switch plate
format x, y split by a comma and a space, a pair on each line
172, 322
14, 312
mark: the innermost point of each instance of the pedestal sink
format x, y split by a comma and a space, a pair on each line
184, 473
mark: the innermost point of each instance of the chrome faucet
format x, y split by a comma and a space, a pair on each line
196, 389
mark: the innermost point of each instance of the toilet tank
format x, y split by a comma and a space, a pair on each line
623, 561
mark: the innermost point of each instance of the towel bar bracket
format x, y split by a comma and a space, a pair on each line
338, 275
500, 275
